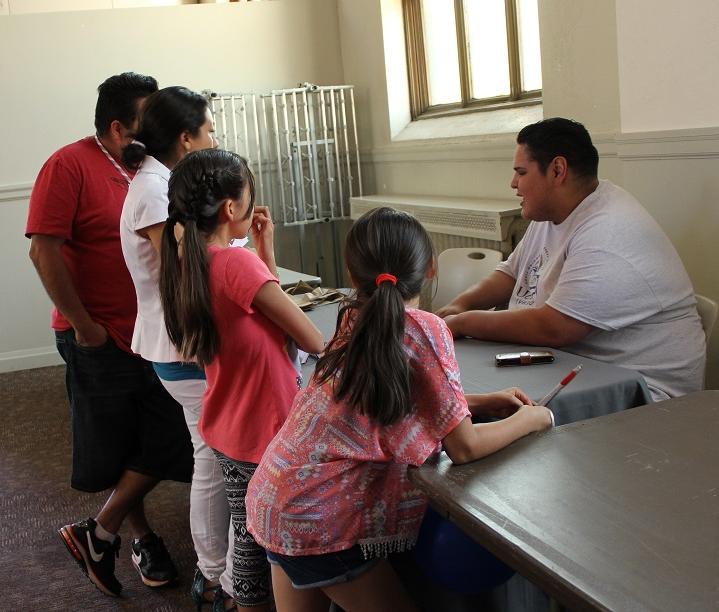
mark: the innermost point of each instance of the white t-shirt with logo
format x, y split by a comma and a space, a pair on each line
610, 265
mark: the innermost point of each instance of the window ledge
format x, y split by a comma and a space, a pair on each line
500, 121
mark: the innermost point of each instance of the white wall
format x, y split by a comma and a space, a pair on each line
669, 143
579, 62
669, 74
637, 74
51, 65
60, 58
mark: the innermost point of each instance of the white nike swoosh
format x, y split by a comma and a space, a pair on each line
95, 557
136, 558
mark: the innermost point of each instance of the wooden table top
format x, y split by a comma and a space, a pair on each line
619, 512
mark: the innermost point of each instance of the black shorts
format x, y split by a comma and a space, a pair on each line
122, 417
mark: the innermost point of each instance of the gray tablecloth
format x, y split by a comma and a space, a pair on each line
600, 388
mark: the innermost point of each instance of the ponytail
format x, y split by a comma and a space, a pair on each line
185, 294
170, 281
199, 185
388, 254
134, 154
371, 368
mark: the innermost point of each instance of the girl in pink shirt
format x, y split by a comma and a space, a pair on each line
224, 308
331, 498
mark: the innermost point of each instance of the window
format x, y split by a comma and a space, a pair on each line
471, 55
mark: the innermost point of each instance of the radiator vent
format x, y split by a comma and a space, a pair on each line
455, 221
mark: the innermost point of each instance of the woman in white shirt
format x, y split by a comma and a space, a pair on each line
174, 122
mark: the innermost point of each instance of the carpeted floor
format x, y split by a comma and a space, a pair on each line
36, 498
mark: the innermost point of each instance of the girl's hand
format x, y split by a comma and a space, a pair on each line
262, 229
516, 392
499, 404
262, 233
539, 417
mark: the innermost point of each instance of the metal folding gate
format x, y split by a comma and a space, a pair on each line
302, 146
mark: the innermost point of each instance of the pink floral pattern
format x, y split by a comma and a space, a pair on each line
332, 478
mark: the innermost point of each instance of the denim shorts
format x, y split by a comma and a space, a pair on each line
122, 417
316, 571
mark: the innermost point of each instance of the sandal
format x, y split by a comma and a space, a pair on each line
221, 599
202, 594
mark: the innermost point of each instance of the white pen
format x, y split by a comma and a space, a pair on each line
562, 383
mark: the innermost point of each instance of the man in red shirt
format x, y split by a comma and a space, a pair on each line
128, 433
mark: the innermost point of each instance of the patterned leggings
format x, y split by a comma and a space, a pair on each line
250, 569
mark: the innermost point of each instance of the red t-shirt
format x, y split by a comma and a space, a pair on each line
251, 382
78, 196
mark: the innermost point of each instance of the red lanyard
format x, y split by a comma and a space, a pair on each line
112, 161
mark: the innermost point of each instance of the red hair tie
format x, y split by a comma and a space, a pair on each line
385, 277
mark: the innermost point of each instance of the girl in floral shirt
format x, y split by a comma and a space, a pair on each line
331, 498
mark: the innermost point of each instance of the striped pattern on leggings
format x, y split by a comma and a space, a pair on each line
250, 569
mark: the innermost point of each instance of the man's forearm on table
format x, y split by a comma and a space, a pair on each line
543, 326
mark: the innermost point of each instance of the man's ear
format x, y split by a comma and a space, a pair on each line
558, 168
116, 132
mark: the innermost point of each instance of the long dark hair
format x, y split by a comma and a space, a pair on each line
165, 115
366, 357
199, 185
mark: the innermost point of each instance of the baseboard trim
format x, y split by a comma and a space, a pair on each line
28, 359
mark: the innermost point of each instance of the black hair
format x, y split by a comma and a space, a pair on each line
165, 115
366, 359
199, 185
556, 137
117, 99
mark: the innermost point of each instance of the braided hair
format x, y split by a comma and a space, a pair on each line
199, 185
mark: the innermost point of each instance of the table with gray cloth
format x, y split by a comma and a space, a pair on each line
598, 389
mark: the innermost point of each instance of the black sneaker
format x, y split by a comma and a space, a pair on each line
95, 557
152, 560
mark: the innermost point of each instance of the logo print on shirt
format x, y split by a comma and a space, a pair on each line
527, 288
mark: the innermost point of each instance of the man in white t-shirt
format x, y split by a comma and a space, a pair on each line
594, 274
